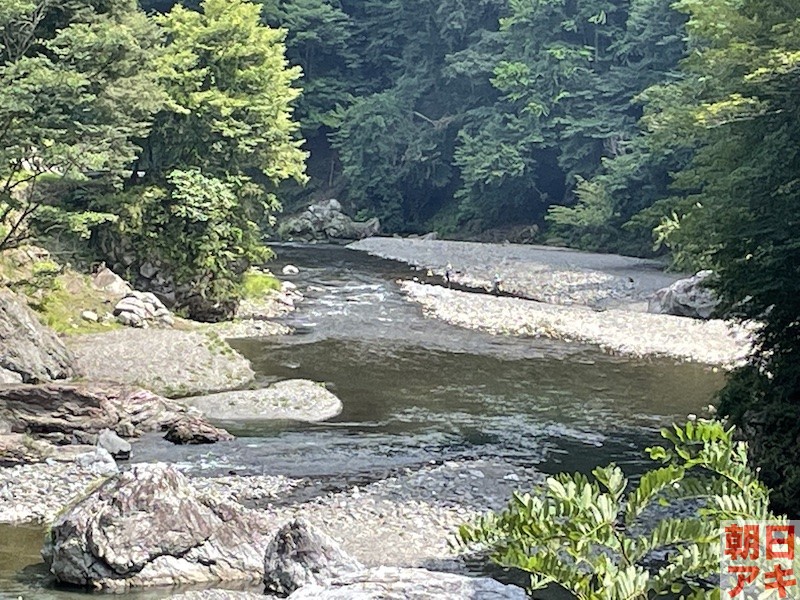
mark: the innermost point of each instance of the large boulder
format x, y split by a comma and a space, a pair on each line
299, 555
293, 400
27, 348
66, 413
150, 527
391, 583
326, 221
686, 298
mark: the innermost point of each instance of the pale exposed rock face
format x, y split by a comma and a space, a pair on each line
391, 583
108, 281
299, 555
294, 399
686, 298
114, 445
149, 527
325, 220
27, 348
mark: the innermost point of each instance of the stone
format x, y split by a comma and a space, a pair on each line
9, 377
115, 445
27, 348
108, 281
193, 429
149, 527
148, 270
294, 399
130, 319
100, 462
686, 298
393, 583
290, 270
17, 449
90, 315
299, 555
288, 286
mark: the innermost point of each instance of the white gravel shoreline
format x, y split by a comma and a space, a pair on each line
621, 332
584, 297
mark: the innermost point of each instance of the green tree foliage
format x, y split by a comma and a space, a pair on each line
592, 538
76, 87
231, 93
737, 203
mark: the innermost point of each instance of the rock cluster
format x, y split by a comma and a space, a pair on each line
29, 352
686, 298
143, 310
102, 414
326, 221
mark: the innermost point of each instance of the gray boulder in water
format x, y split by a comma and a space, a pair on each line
299, 555
391, 583
28, 349
686, 298
150, 527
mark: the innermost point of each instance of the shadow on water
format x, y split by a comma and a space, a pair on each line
415, 392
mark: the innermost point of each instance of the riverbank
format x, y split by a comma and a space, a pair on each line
560, 294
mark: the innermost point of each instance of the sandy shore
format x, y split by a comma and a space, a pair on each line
563, 294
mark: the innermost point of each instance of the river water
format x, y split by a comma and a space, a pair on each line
416, 391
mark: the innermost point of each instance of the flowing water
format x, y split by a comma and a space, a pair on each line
416, 391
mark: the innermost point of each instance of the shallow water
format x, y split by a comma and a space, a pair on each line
417, 391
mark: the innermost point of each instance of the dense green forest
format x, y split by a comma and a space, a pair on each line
621, 125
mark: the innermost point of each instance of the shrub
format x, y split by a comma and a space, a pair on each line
590, 537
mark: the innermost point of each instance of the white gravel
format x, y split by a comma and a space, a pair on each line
623, 332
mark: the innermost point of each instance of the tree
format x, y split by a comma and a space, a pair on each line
76, 87
737, 202
213, 158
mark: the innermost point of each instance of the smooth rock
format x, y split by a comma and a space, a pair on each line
115, 445
391, 583
290, 270
294, 399
90, 315
9, 377
150, 527
99, 462
108, 281
27, 348
686, 298
299, 555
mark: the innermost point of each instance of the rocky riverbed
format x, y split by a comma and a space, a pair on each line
559, 294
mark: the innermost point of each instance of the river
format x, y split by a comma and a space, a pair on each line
415, 391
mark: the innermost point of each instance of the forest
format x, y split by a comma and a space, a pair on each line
644, 127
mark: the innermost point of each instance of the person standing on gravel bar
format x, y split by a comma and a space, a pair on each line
448, 271
496, 284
